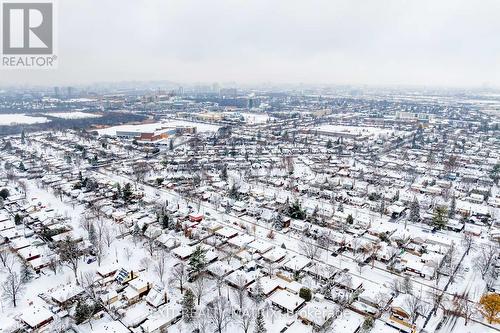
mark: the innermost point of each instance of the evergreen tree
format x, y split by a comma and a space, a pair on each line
171, 144
350, 219
223, 173
119, 190
396, 196
26, 273
127, 192
329, 144
414, 210
23, 136
92, 234
197, 261
260, 325
305, 293
278, 222
382, 206
136, 232
453, 205
341, 207
18, 219
495, 173
258, 292
83, 311
233, 192
439, 218
296, 212
165, 221
4, 193
188, 306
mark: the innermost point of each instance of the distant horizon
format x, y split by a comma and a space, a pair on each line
249, 85
385, 43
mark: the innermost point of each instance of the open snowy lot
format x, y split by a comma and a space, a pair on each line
73, 115
16, 119
200, 127
355, 130
255, 118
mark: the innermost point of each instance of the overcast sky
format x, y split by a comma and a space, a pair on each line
380, 42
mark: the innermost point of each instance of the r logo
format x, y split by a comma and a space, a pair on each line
27, 28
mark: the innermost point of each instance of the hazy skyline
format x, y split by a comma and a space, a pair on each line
432, 43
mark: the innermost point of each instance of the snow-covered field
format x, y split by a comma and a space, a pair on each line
73, 115
355, 130
255, 118
200, 127
16, 119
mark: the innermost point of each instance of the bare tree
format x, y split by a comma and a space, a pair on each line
240, 292
180, 275
88, 280
199, 287
485, 258
160, 268
151, 246
414, 305
4, 255
436, 296
467, 242
219, 277
53, 264
463, 307
310, 249
140, 170
373, 251
219, 313
69, 252
326, 241
395, 286
108, 235
407, 285
12, 287
7, 259
356, 244
270, 267
245, 322
99, 250
86, 222
127, 253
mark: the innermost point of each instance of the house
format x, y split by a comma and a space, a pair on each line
241, 279
157, 296
105, 271
65, 294
297, 264
275, 255
287, 301
318, 313
241, 241
36, 317
136, 289
348, 322
226, 233
162, 319
195, 217
123, 276
260, 246
269, 285
109, 296
401, 316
